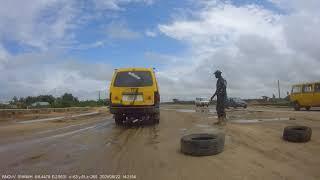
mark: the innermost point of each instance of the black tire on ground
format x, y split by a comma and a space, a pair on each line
202, 144
297, 133
296, 106
308, 108
119, 118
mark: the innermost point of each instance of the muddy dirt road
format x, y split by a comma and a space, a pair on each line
94, 145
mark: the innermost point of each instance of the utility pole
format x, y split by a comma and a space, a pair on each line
279, 88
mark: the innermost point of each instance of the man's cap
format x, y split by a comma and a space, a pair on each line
217, 72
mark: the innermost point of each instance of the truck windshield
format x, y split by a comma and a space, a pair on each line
133, 79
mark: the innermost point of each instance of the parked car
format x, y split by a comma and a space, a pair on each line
134, 94
202, 101
236, 102
305, 95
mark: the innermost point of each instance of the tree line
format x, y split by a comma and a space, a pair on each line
66, 100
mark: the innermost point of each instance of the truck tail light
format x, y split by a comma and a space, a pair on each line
115, 97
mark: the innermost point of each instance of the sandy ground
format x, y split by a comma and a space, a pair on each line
96, 146
31, 116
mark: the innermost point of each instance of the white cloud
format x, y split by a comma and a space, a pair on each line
48, 24
119, 30
161, 58
41, 27
40, 24
150, 33
3, 54
253, 46
116, 4
298, 5
222, 24
51, 73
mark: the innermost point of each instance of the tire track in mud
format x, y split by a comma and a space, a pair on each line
57, 118
129, 142
64, 149
153, 136
124, 148
37, 140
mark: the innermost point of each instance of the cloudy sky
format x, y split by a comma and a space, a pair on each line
57, 46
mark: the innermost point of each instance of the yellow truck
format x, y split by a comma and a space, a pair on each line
305, 95
134, 94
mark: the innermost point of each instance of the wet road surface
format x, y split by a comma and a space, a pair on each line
95, 145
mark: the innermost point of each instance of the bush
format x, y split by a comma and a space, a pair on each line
66, 100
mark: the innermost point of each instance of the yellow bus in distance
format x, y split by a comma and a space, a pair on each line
305, 95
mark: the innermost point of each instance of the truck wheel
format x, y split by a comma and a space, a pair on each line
296, 106
202, 144
119, 118
297, 133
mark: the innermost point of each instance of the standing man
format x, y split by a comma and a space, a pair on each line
221, 92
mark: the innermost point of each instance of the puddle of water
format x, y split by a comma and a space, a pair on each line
207, 128
259, 120
57, 118
202, 110
227, 139
212, 117
183, 131
66, 127
186, 110
168, 109
85, 114
203, 126
191, 110
83, 147
45, 139
40, 120
210, 130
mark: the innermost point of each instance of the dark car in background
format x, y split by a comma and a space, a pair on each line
236, 102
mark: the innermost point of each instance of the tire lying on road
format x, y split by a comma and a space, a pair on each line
297, 133
202, 144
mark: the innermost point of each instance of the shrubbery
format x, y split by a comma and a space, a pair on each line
66, 100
